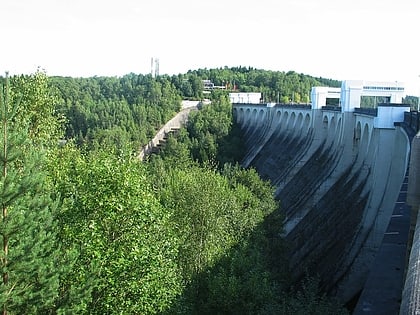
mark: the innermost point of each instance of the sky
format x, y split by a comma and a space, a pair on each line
338, 39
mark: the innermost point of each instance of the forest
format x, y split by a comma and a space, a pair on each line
87, 228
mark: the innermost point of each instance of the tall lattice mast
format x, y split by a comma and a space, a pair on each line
154, 67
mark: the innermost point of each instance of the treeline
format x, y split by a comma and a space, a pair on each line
89, 229
413, 101
116, 112
284, 87
125, 112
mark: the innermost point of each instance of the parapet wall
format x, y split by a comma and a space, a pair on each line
413, 193
410, 304
337, 177
411, 294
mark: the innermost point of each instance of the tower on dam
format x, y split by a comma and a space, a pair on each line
338, 171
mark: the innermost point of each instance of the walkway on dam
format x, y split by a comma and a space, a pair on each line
175, 123
383, 289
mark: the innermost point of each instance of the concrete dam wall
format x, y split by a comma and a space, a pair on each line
337, 175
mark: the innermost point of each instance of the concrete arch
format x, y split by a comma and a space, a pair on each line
325, 122
248, 116
368, 131
331, 130
292, 119
277, 120
254, 119
243, 115
238, 115
299, 121
339, 124
324, 128
332, 125
306, 123
278, 115
364, 142
358, 131
284, 120
261, 117
339, 134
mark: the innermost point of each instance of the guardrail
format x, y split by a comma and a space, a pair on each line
367, 111
331, 107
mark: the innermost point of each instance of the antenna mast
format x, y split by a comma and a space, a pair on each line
154, 67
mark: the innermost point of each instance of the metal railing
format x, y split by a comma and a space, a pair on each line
332, 107
367, 111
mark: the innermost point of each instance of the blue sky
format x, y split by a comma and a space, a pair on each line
338, 39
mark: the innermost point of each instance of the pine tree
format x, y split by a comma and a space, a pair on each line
29, 253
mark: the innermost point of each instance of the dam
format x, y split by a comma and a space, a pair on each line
339, 172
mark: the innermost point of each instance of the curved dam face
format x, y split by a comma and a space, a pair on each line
337, 176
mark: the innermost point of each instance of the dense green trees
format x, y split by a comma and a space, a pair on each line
216, 218
208, 127
126, 243
284, 87
210, 135
89, 229
413, 101
30, 253
145, 256
126, 112
115, 112
36, 107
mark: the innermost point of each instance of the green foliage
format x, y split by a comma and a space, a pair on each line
210, 136
413, 101
30, 256
218, 221
276, 86
210, 215
177, 149
190, 85
134, 107
123, 235
36, 108
189, 232
372, 101
238, 284
250, 179
208, 127
309, 300
231, 147
200, 206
